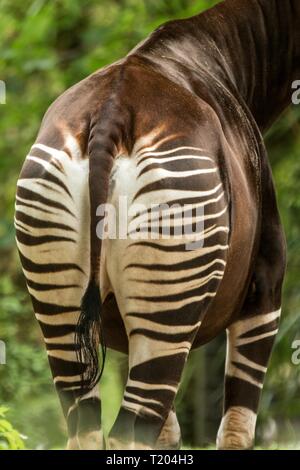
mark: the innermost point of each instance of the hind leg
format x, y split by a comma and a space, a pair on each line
159, 344
57, 311
249, 344
165, 278
51, 214
154, 376
56, 307
160, 333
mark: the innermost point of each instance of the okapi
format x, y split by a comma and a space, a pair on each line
178, 121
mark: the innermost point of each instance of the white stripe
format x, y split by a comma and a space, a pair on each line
138, 408
144, 163
146, 386
253, 339
68, 378
142, 399
66, 339
245, 325
70, 318
165, 195
64, 355
165, 305
51, 151
167, 152
159, 328
160, 173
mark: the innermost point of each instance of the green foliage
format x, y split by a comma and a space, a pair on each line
10, 439
281, 396
45, 47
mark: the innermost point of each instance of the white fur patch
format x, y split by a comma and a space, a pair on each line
237, 429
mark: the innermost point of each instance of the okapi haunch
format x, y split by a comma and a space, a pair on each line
178, 121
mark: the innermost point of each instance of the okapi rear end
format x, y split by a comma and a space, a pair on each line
147, 222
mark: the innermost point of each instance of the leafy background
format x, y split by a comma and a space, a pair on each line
45, 47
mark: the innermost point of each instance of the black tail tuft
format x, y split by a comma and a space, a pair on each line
88, 336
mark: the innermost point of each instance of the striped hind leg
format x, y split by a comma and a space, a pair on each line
51, 219
154, 376
249, 347
56, 307
81, 407
159, 344
249, 344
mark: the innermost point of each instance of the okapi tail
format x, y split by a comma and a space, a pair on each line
89, 334
89, 331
